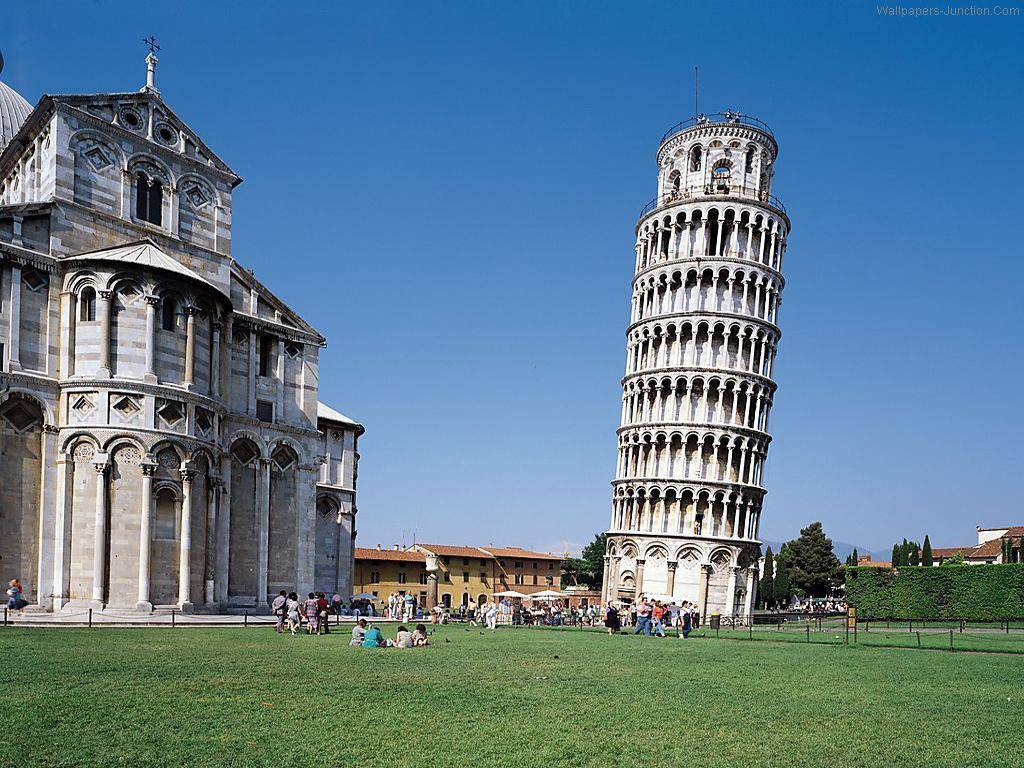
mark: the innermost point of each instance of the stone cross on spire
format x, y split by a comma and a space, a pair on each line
151, 61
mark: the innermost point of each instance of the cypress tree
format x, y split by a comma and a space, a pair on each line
905, 553
766, 587
895, 555
926, 553
853, 557
781, 589
913, 556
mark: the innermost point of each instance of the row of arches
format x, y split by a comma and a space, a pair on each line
741, 233
690, 512
722, 289
108, 314
697, 400
702, 344
681, 456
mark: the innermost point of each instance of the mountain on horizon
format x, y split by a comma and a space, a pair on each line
841, 549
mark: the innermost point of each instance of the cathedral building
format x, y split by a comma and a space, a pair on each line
698, 388
161, 440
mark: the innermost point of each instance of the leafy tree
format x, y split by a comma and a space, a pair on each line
955, 560
572, 571
896, 555
926, 553
813, 566
765, 587
591, 568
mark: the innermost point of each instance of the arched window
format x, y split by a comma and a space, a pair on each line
721, 176
748, 165
87, 304
695, 157
149, 199
169, 312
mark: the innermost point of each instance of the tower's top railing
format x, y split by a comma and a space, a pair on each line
710, 193
718, 118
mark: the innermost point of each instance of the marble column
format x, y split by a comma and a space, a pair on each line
190, 347
145, 535
61, 534
185, 551
105, 307
702, 594
263, 540
99, 555
730, 595
671, 586
152, 302
640, 577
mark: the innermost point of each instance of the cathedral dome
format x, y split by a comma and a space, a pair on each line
13, 111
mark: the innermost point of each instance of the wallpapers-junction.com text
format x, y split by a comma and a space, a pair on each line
904, 11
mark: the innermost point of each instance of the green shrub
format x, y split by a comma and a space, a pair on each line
974, 593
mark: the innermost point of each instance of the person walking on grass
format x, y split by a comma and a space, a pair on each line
293, 620
278, 609
611, 620
312, 614
643, 618
323, 625
657, 616
687, 620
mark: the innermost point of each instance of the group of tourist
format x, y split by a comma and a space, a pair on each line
649, 617
368, 636
290, 613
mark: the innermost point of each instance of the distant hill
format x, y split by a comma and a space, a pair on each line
842, 550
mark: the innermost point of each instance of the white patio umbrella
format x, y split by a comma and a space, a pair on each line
509, 593
364, 596
547, 594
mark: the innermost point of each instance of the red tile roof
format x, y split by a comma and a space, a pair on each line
390, 554
452, 551
520, 552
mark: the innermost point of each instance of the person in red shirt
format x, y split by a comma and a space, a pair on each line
658, 615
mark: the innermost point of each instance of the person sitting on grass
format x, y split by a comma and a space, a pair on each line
374, 639
403, 638
358, 632
419, 637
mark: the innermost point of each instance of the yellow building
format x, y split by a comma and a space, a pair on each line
461, 572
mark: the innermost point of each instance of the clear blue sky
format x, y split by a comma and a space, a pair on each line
448, 192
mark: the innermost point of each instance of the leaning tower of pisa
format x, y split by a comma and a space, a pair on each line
698, 389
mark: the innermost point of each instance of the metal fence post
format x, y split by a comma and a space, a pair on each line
918, 639
245, 619
172, 617
846, 640
808, 633
951, 639
90, 618
750, 628
855, 631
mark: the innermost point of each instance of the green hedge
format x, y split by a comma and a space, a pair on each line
971, 592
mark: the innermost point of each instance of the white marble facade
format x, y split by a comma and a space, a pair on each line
698, 388
161, 439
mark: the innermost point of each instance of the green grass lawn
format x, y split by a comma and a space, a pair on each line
521, 697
